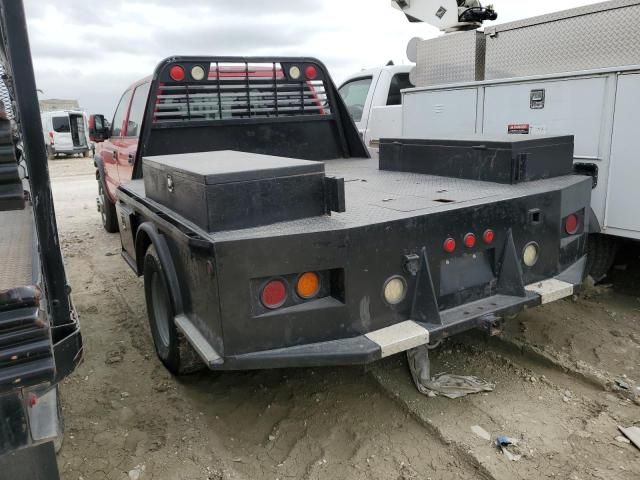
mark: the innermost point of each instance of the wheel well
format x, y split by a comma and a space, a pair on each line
146, 235
143, 241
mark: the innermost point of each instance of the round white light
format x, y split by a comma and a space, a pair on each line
197, 73
395, 290
294, 72
530, 254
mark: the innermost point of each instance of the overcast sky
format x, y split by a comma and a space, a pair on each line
92, 50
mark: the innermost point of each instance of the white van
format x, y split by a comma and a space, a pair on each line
66, 131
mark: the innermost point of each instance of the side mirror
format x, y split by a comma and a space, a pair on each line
98, 130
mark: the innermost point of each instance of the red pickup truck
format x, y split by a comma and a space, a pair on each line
114, 164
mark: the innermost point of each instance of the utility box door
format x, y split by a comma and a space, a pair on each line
572, 106
624, 174
428, 114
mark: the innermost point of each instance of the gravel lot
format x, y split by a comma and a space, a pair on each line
566, 376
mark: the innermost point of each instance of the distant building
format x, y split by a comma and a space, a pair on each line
53, 104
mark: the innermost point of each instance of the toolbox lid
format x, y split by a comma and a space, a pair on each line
499, 142
227, 166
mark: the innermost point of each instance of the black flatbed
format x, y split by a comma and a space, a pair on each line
375, 196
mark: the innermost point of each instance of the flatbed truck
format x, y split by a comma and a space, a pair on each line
268, 238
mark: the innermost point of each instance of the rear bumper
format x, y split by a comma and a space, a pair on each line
373, 346
71, 150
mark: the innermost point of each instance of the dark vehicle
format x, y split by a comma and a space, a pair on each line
40, 342
268, 238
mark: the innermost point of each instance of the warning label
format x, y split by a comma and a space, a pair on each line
519, 129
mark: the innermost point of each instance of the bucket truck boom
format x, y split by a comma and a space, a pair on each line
447, 15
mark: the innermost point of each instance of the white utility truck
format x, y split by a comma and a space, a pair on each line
374, 100
67, 132
572, 72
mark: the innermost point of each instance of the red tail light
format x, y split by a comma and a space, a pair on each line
469, 240
488, 236
51, 138
311, 72
449, 245
571, 224
274, 294
176, 73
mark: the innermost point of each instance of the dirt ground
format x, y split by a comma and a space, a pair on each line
566, 376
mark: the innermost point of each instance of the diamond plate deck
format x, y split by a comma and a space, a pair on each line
16, 248
375, 196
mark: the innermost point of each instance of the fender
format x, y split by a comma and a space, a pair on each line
146, 235
593, 225
99, 164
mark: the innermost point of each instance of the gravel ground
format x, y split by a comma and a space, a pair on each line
565, 378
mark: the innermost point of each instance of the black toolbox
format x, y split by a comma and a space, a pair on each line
226, 190
505, 159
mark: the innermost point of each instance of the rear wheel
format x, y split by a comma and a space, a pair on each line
601, 253
50, 154
106, 208
173, 350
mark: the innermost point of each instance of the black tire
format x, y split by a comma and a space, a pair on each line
173, 350
601, 253
106, 208
50, 154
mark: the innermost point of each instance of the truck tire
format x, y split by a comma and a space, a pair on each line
173, 350
106, 208
50, 154
601, 253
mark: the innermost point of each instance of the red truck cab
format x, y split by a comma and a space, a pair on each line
115, 162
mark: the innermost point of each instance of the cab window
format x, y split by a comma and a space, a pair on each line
399, 82
354, 93
121, 113
137, 110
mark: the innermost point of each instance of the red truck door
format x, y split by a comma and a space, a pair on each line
111, 149
129, 140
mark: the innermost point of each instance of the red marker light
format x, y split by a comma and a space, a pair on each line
274, 294
488, 236
311, 72
469, 240
176, 73
449, 245
571, 224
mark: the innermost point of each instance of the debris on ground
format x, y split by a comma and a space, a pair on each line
509, 447
481, 432
632, 433
136, 473
444, 384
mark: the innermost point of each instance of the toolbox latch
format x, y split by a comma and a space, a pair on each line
334, 195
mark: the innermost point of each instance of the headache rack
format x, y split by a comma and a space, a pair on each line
279, 106
232, 91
